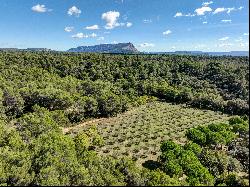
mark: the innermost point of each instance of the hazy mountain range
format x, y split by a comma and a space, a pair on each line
128, 48
230, 53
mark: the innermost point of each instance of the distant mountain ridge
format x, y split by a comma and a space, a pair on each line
126, 48
28, 49
230, 53
107, 48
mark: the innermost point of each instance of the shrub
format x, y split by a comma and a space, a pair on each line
193, 147
236, 120
196, 136
36, 123
218, 127
159, 178
170, 145
172, 168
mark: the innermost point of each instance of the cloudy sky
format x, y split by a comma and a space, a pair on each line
152, 25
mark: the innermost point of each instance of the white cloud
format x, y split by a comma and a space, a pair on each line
178, 14
204, 22
167, 32
80, 35
224, 38
240, 8
228, 10
147, 21
100, 38
246, 34
146, 45
74, 11
189, 15
201, 11
219, 10
226, 21
129, 24
93, 27
40, 8
68, 29
111, 19
207, 3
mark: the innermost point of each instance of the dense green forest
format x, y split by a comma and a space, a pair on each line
42, 92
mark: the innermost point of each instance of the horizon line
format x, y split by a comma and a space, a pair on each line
49, 49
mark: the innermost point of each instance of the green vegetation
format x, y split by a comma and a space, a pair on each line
203, 162
139, 132
46, 97
95, 85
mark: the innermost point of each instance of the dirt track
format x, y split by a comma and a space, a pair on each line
94, 121
91, 122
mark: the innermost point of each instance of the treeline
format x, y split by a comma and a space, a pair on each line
93, 85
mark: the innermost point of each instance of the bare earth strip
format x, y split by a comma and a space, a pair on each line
91, 122
138, 133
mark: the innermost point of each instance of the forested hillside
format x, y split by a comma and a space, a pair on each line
91, 85
43, 92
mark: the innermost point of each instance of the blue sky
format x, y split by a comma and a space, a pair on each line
152, 25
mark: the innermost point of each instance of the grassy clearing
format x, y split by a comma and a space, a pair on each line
138, 133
